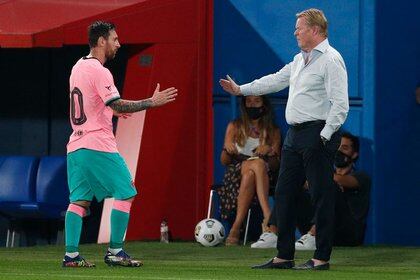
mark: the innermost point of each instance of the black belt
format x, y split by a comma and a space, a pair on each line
307, 124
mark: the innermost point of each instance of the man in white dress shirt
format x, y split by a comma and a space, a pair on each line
316, 108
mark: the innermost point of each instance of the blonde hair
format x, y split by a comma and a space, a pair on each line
315, 17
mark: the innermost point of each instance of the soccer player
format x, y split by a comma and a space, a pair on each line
94, 166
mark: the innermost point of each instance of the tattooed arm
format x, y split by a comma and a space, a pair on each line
159, 98
128, 106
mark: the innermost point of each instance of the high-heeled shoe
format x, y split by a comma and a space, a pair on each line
233, 238
264, 226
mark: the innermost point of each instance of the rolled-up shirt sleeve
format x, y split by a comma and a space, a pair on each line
337, 91
268, 84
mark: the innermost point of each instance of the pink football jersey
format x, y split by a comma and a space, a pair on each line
91, 90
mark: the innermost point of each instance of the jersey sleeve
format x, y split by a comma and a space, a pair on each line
105, 87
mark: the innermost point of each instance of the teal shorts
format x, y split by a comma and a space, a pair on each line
100, 174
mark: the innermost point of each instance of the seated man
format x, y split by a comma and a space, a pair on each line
352, 201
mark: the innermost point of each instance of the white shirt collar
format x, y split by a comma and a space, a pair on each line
323, 46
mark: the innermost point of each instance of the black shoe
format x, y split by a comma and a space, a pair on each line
270, 264
309, 265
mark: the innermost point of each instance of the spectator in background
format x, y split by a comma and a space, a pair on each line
251, 156
352, 199
418, 94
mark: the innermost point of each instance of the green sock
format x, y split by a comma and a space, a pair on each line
119, 223
73, 228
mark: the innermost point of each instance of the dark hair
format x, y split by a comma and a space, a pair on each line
354, 140
266, 123
99, 29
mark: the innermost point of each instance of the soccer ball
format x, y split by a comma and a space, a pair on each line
209, 232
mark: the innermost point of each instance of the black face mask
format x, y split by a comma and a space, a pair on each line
255, 113
342, 160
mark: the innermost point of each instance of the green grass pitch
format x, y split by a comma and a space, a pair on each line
181, 260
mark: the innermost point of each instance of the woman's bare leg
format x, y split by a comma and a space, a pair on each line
245, 196
262, 186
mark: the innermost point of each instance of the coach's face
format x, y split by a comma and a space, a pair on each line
112, 45
304, 34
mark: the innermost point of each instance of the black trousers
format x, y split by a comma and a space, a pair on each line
304, 212
305, 156
347, 230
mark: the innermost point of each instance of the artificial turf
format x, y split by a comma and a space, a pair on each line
180, 260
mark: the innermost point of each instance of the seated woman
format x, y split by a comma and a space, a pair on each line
251, 156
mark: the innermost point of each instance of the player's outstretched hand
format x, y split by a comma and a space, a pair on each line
160, 98
230, 86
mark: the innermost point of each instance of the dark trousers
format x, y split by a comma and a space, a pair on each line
304, 212
304, 156
347, 230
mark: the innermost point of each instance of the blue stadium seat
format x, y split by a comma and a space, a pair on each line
32, 189
17, 185
52, 193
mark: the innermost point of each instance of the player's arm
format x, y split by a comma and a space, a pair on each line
159, 98
121, 106
121, 115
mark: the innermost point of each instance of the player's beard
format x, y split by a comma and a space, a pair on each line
110, 54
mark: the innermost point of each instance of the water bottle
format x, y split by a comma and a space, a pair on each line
164, 232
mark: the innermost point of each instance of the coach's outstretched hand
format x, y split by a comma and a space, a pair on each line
160, 98
230, 86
